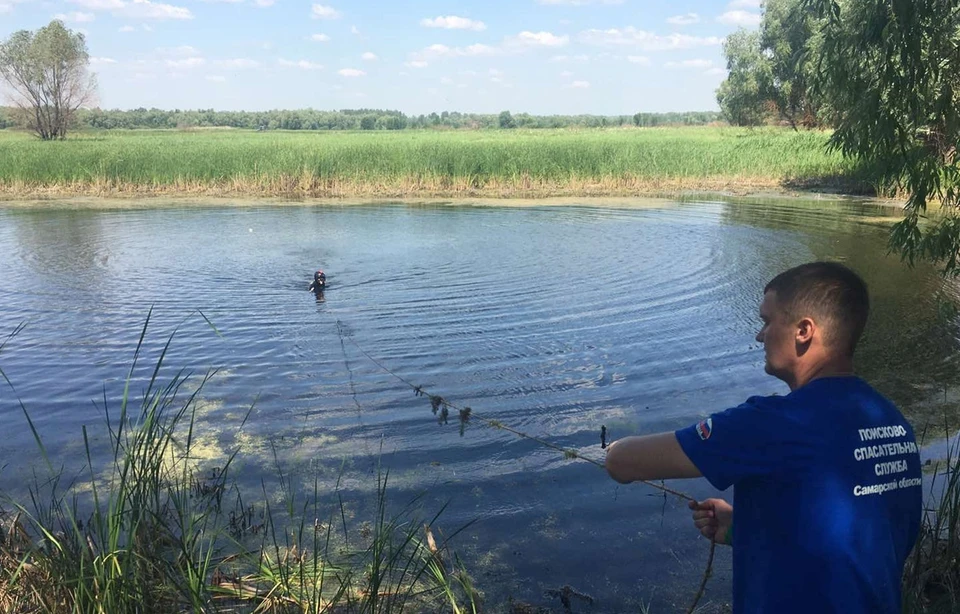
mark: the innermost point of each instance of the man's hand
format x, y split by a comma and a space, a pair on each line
713, 518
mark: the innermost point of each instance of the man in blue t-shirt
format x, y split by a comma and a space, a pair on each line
827, 478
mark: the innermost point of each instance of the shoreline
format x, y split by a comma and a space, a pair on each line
629, 193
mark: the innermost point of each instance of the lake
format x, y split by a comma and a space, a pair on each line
555, 320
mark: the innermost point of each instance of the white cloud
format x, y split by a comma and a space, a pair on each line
684, 20
716, 70
443, 51
354, 31
566, 74
144, 9
580, 85
369, 57
216, 78
322, 11
126, 29
520, 43
320, 38
350, 72
644, 40
446, 81
642, 60
495, 72
75, 17
534, 39
452, 22
744, 4
5, 8
302, 64
580, 59
416, 64
264, 3
181, 51
185, 63
237, 63
740, 18
100, 5
479, 49
694, 63
102, 61
137, 9
438, 50
577, 2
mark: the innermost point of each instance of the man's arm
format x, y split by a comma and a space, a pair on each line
650, 457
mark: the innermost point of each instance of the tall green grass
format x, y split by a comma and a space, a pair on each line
931, 580
154, 534
415, 161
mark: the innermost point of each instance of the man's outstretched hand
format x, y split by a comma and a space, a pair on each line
713, 518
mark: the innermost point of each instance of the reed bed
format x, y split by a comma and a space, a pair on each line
931, 580
156, 534
512, 163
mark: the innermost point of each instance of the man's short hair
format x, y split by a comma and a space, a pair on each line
830, 293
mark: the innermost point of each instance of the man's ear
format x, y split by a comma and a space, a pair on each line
806, 327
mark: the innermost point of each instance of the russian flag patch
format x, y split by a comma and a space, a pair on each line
705, 428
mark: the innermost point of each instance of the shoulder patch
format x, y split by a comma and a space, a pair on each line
705, 428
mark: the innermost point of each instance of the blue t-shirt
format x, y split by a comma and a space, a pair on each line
827, 501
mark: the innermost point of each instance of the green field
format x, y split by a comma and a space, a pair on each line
419, 163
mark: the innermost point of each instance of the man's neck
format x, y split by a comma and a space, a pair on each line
834, 367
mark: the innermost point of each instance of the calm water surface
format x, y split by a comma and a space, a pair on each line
554, 320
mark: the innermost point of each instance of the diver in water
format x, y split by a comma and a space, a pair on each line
319, 282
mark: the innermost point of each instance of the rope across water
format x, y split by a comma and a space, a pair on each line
467, 414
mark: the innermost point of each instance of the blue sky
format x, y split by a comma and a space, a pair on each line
536, 56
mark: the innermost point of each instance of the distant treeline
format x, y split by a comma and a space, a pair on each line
360, 119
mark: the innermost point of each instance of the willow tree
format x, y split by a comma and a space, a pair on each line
788, 40
890, 70
745, 95
47, 75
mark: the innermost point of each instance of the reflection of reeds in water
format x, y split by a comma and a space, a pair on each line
155, 535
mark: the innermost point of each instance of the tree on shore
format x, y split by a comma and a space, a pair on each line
771, 70
47, 74
788, 39
891, 73
744, 95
